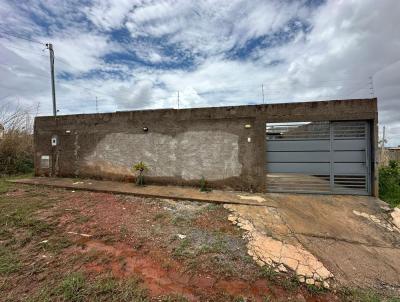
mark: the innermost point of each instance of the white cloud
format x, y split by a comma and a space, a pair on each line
349, 41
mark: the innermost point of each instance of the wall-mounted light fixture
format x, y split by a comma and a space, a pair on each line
247, 126
145, 129
68, 131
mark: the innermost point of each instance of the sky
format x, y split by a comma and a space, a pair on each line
137, 54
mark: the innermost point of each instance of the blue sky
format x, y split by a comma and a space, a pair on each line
137, 54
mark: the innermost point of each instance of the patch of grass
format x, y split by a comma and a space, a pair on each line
56, 245
267, 298
268, 272
73, 288
159, 216
5, 185
76, 288
174, 298
360, 295
389, 183
315, 290
20, 214
291, 283
9, 262
181, 221
82, 219
123, 231
223, 266
216, 246
180, 252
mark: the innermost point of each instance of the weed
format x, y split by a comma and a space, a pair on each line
389, 183
269, 273
291, 283
181, 221
56, 245
104, 287
204, 185
159, 216
315, 290
73, 288
124, 231
9, 263
217, 246
360, 295
140, 167
267, 298
174, 298
180, 251
82, 219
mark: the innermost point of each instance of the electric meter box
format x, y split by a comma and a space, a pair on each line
54, 140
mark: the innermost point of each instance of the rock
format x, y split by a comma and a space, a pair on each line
260, 263
318, 283
232, 218
282, 268
302, 279
325, 284
396, 217
304, 271
310, 281
324, 273
181, 236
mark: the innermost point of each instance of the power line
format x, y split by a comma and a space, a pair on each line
33, 75
24, 49
20, 37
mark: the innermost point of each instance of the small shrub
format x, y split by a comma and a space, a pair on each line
204, 185
16, 153
389, 183
140, 167
268, 273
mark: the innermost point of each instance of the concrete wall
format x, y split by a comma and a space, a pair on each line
180, 146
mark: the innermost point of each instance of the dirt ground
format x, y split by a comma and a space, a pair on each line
65, 245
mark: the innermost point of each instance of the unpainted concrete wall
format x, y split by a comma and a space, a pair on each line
226, 145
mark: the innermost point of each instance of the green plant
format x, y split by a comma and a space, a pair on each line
268, 273
204, 185
389, 183
73, 288
140, 167
9, 263
180, 252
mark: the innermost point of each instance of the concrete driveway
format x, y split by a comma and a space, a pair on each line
329, 240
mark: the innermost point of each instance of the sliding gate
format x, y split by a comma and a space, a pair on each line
318, 157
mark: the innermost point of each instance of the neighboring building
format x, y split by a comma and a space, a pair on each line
1, 131
388, 154
319, 147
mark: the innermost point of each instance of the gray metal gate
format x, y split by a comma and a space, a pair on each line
318, 157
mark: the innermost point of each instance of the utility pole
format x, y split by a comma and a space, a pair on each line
383, 159
371, 86
53, 86
97, 108
178, 99
262, 90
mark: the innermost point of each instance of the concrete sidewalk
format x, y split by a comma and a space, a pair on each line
169, 192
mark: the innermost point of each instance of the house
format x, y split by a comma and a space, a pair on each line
311, 147
2, 130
